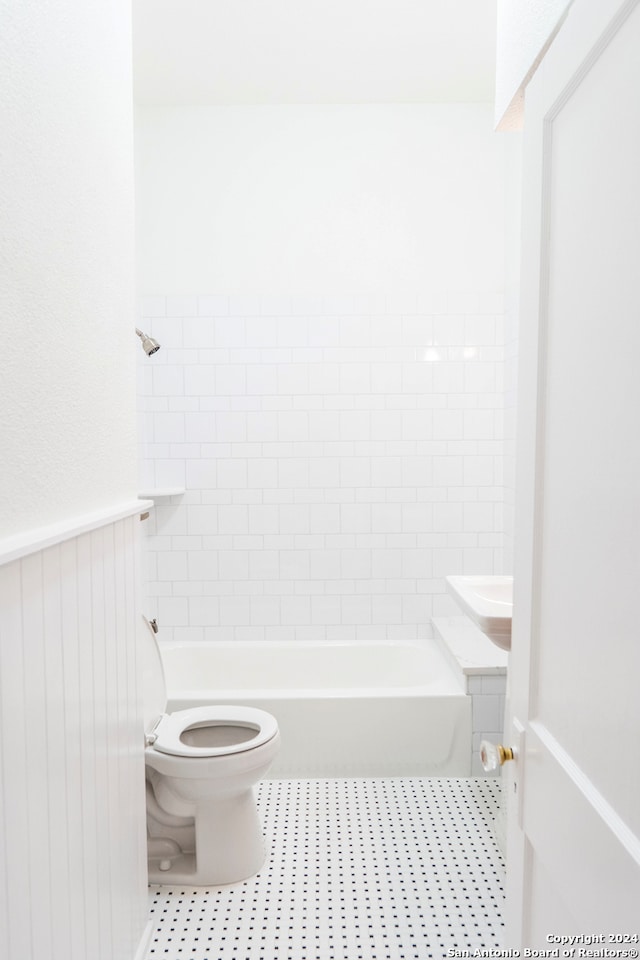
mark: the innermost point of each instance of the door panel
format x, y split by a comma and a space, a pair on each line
576, 637
585, 848
589, 427
550, 912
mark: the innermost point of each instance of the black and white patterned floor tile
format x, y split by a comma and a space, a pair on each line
379, 869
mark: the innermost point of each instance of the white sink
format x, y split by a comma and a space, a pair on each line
488, 601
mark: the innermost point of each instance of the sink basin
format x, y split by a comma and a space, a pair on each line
488, 601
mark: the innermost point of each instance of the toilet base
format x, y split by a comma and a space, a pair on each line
182, 870
228, 841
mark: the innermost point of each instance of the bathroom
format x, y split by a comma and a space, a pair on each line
334, 279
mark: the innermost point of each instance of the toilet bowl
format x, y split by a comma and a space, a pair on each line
201, 767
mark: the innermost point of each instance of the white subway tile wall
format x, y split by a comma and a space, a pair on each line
340, 456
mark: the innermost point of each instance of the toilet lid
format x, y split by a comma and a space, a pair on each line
169, 731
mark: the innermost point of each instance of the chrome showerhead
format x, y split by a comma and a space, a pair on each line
149, 345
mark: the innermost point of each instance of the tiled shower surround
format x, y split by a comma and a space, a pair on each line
340, 456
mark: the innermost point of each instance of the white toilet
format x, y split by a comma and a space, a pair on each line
201, 765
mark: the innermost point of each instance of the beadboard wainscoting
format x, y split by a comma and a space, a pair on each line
72, 841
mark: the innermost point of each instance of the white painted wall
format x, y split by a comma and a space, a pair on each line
319, 51
320, 199
72, 884
525, 30
68, 348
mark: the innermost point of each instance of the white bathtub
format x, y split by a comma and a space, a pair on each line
344, 710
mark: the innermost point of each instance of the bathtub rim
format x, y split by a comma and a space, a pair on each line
447, 683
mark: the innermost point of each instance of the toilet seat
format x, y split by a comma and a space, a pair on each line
167, 733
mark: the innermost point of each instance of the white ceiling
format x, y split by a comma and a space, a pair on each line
313, 51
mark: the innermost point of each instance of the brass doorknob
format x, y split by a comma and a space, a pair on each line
493, 755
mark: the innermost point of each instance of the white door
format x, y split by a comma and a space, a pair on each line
574, 790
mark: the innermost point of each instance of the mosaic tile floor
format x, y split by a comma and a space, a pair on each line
379, 869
